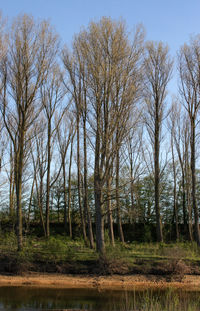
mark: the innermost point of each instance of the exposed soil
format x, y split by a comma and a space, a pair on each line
172, 269
102, 273
189, 282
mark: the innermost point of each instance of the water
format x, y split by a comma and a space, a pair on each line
31, 299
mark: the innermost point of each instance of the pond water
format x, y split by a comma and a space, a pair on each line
31, 298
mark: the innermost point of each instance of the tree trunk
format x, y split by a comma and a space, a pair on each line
185, 222
157, 178
174, 192
40, 202
110, 218
11, 187
194, 203
30, 201
86, 205
65, 195
79, 182
100, 243
19, 158
132, 191
48, 179
69, 190
119, 222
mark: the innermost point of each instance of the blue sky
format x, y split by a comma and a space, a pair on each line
172, 21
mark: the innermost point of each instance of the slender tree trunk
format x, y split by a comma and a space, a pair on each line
132, 191
79, 182
65, 195
40, 202
69, 190
188, 195
190, 226
18, 184
30, 201
174, 192
185, 222
194, 203
100, 243
157, 178
11, 187
58, 209
182, 160
19, 215
48, 179
110, 218
86, 205
119, 221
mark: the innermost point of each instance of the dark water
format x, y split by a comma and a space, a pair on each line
27, 298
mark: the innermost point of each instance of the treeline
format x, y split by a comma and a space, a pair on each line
88, 134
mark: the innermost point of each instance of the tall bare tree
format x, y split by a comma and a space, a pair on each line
32, 47
65, 134
189, 71
181, 138
172, 124
39, 159
111, 66
73, 67
52, 94
158, 69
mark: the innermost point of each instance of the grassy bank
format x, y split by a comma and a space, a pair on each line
59, 254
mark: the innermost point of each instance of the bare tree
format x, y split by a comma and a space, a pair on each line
52, 94
172, 125
110, 64
179, 122
32, 47
73, 67
85, 181
65, 134
157, 68
189, 71
132, 155
39, 159
69, 187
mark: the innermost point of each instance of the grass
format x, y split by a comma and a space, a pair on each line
168, 300
158, 258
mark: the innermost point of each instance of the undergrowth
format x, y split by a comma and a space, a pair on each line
155, 258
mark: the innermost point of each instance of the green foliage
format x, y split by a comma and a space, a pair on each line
123, 258
8, 241
147, 234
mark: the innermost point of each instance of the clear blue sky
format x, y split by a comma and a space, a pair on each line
172, 21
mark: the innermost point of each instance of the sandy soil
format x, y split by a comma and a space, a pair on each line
102, 282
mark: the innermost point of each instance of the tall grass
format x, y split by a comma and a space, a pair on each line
169, 300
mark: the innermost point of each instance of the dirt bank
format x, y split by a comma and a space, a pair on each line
189, 282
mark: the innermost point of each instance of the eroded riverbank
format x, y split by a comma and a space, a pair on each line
188, 282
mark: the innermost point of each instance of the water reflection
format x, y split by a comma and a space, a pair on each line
31, 299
